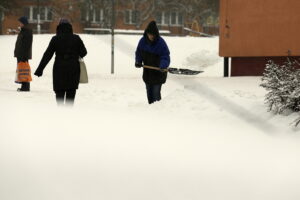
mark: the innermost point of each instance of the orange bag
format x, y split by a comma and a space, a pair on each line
23, 73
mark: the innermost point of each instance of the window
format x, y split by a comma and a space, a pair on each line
127, 16
136, 17
131, 16
180, 19
93, 15
42, 13
166, 18
107, 20
35, 13
49, 14
32, 13
173, 18
158, 18
90, 15
169, 18
97, 16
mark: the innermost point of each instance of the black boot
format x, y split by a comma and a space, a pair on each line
25, 87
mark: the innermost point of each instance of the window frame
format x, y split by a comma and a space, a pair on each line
131, 17
46, 15
167, 18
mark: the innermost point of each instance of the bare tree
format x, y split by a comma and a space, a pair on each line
144, 9
193, 10
5, 7
65, 9
6, 4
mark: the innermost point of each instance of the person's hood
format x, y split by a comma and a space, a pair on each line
23, 20
64, 28
152, 29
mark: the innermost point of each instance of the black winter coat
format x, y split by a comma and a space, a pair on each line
68, 47
23, 47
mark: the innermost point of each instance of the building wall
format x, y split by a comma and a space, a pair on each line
10, 22
252, 32
259, 28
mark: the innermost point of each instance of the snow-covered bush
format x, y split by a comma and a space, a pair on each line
282, 83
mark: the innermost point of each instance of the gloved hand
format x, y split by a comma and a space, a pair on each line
38, 73
162, 70
138, 65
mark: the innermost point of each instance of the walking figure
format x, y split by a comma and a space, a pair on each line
152, 50
68, 48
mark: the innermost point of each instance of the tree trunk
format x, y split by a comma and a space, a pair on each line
1, 20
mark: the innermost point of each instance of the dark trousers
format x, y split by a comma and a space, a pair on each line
65, 97
153, 93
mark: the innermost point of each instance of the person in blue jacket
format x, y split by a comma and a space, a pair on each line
152, 50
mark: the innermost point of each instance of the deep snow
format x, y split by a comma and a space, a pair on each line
209, 138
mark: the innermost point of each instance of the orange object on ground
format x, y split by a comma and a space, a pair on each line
23, 73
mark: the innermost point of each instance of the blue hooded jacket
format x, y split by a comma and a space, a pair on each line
153, 53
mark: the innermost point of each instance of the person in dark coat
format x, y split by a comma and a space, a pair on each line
66, 70
23, 49
152, 50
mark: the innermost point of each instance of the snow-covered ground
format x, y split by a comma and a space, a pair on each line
209, 138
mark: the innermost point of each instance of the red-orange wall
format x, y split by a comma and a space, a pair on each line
259, 28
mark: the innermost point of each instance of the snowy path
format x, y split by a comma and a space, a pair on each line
210, 138
253, 119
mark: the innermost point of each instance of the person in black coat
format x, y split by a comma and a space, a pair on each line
66, 70
23, 48
152, 50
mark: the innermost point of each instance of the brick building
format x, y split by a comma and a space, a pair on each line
98, 16
40, 12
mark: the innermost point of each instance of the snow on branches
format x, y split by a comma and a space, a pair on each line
282, 83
